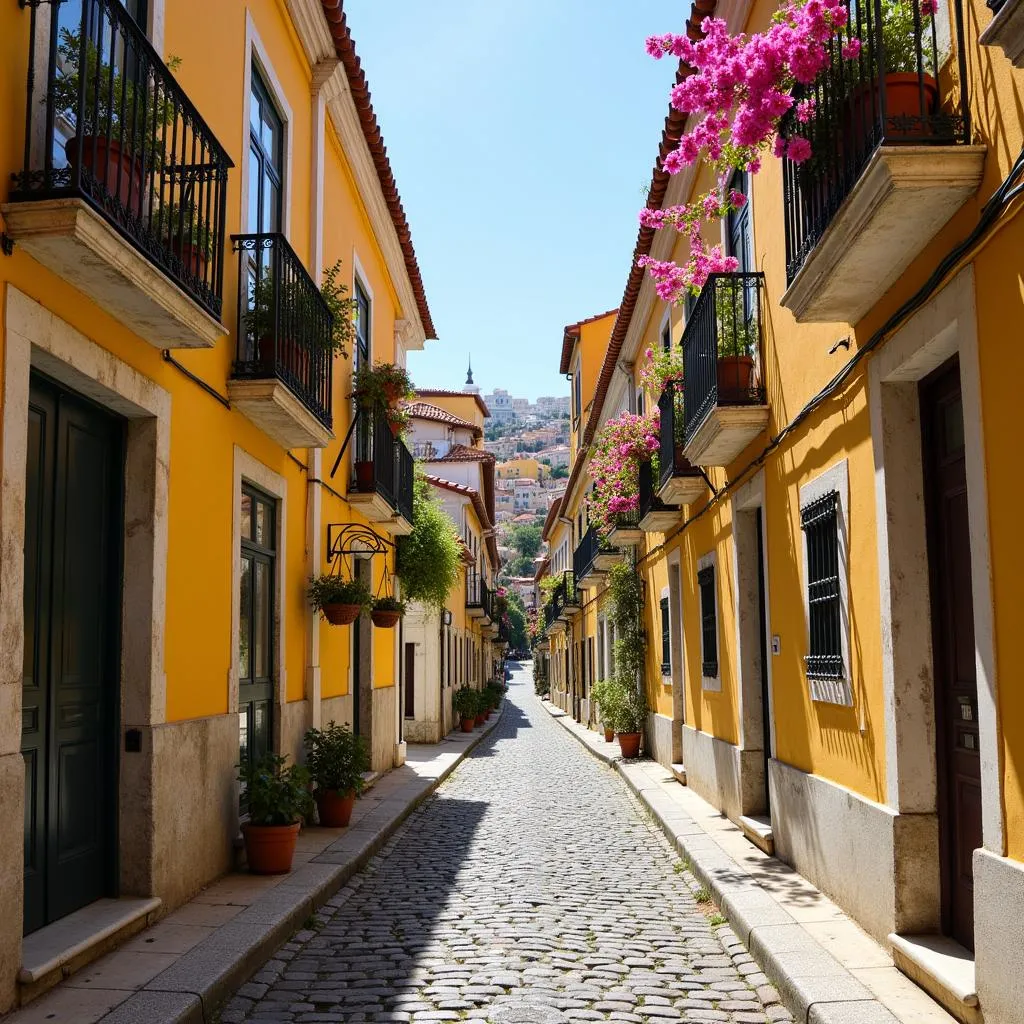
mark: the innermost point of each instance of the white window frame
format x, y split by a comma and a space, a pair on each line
712, 684
836, 478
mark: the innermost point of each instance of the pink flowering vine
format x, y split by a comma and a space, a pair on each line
741, 89
619, 448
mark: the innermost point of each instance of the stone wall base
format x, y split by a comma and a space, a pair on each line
295, 720
661, 735
881, 867
999, 936
12, 871
728, 778
384, 721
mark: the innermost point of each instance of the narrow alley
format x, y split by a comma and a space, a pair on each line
502, 901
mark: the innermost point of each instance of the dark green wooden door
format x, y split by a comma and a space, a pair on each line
73, 512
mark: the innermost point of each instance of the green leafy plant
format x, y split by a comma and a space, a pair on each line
702, 895
342, 307
381, 384
466, 702
388, 604
541, 686
336, 758
900, 37
324, 590
429, 558
178, 224
276, 793
609, 695
717, 919
737, 328
627, 606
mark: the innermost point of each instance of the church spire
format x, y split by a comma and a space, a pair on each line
469, 373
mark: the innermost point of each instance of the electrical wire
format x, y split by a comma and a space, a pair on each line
997, 203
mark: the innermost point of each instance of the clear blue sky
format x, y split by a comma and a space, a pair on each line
522, 134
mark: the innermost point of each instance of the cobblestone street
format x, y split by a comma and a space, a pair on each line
502, 900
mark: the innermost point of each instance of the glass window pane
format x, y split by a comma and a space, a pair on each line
262, 524
253, 213
246, 516
270, 207
261, 729
261, 621
268, 134
255, 112
243, 734
244, 618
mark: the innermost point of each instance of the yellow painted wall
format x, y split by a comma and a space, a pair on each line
464, 406
520, 468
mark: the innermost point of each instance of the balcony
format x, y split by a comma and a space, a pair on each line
281, 377
1006, 30
553, 621
655, 515
568, 595
626, 532
680, 483
891, 162
124, 187
723, 366
594, 556
383, 486
478, 596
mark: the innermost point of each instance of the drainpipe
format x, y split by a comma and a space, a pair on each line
323, 71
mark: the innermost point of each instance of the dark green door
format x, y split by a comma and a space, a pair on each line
73, 515
256, 626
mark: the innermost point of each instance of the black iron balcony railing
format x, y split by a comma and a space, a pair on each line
566, 593
628, 520
478, 594
107, 122
586, 552
723, 348
383, 464
284, 325
671, 460
551, 611
887, 95
649, 500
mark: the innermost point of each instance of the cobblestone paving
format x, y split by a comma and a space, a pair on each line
531, 890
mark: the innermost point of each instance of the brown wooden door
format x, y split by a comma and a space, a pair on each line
956, 691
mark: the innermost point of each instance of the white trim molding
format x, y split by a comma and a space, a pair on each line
829, 691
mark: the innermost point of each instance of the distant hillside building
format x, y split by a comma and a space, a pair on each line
501, 405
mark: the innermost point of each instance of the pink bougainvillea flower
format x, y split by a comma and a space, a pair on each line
929, 7
851, 48
798, 150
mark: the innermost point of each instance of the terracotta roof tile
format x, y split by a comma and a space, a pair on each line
337, 23
426, 411
463, 453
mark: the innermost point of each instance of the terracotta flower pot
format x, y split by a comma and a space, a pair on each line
384, 619
192, 257
396, 427
104, 159
335, 807
269, 848
480, 718
467, 724
734, 375
364, 478
902, 106
629, 744
681, 465
341, 614
609, 735
392, 392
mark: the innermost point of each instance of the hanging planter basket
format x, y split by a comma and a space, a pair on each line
342, 614
385, 619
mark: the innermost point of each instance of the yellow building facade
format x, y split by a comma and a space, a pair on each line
178, 449
828, 549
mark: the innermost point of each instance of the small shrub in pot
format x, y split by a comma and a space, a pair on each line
465, 702
336, 759
277, 795
339, 601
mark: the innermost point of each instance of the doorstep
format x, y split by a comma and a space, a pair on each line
943, 968
758, 830
52, 953
181, 969
826, 968
678, 773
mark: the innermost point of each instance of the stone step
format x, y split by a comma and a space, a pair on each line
943, 968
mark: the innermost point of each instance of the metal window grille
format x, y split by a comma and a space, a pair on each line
819, 522
708, 622
666, 639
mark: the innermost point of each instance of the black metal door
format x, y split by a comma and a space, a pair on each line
256, 652
73, 515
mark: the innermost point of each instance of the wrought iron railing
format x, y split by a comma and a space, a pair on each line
627, 520
648, 493
587, 550
723, 348
107, 122
284, 325
671, 461
887, 95
566, 592
389, 465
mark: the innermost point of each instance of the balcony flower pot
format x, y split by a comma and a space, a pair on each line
681, 465
629, 744
338, 600
278, 799
104, 159
396, 427
735, 374
902, 106
336, 759
365, 477
193, 259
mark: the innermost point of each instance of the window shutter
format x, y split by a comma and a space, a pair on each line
666, 640
819, 521
708, 621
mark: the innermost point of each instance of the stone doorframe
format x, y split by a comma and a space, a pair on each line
745, 504
35, 338
944, 327
677, 641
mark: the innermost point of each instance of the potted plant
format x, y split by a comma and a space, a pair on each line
336, 759
338, 600
481, 708
386, 611
627, 717
181, 229
737, 333
278, 799
398, 419
342, 307
464, 703
382, 384
604, 693
120, 121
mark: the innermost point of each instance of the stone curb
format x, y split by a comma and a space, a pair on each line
813, 985
194, 986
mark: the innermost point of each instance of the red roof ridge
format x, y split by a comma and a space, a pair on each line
337, 24
463, 453
426, 411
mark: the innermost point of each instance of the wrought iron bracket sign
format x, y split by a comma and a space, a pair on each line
353, 540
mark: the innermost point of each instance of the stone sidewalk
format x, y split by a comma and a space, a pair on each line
181, 969
827, 969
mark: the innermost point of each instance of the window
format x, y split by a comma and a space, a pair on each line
739, 241
666, 639
818, 520
576, 396
266, 159
666, 335
708, 622
256, 625
361, 356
